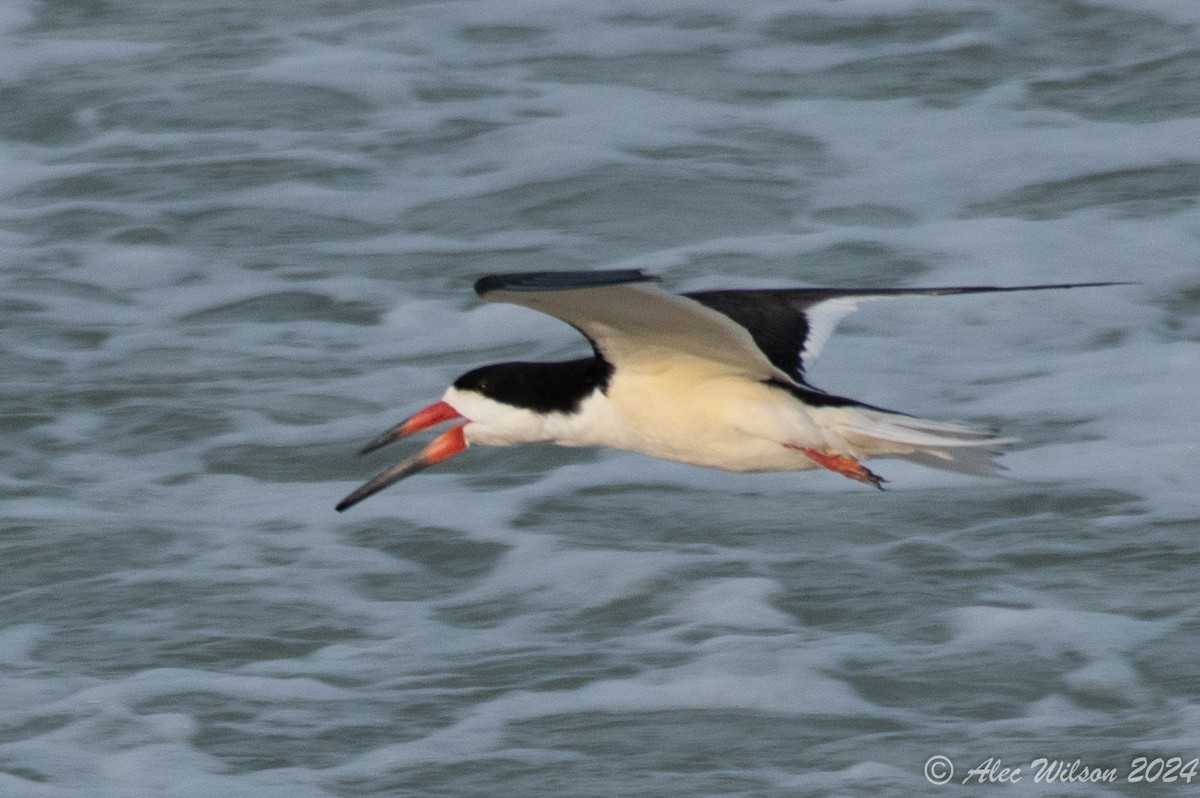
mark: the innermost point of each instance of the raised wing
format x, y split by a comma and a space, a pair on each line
768, 333
791, 325
634, 324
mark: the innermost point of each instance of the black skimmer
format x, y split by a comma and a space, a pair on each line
712, 378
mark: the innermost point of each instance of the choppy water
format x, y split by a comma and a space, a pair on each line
236, 241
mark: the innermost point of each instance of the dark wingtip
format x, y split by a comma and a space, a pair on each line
559, 281
1040, 287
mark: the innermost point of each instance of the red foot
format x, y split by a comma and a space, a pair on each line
842, 464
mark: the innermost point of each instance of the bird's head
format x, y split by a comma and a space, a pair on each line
502, 404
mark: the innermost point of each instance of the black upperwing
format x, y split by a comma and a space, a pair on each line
791, 325
623, 315
559, 281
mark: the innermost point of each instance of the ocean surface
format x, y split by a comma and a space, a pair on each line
237, 240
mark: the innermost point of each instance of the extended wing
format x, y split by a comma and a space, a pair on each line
768, 333
634, 324
792, 325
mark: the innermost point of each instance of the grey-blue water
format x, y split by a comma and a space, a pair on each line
238, 240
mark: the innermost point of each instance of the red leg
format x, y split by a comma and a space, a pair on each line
842, 464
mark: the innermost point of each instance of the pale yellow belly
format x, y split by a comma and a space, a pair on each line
722, 422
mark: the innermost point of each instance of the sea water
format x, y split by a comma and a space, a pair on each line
238, 240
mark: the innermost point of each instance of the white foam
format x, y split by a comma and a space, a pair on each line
757, 674
545, 572
938, 161
162, 682
373, 74
1053, 632
25, 57
734, 603
1179, 11
1109, 679
17, 642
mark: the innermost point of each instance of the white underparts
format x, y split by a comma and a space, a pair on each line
728, 422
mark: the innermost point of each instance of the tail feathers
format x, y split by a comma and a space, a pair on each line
948, 445
978, 462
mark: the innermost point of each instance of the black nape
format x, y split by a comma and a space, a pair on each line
540, 387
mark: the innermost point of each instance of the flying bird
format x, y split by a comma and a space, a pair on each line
711, 378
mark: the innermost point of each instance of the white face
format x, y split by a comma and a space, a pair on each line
495, 423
